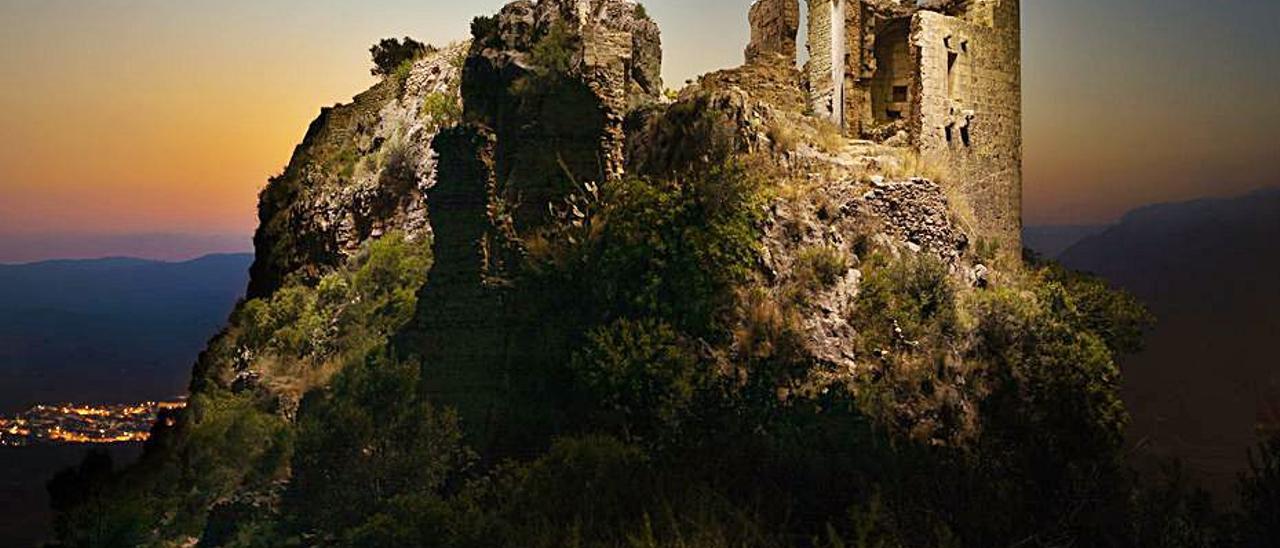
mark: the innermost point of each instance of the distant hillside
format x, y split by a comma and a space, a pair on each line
109, 329
1051, 240
33, 247
1209, 271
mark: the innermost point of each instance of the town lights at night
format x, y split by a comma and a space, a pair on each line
83, 424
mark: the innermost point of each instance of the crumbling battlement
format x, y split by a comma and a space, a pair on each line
546, 88
774, 27
549, 120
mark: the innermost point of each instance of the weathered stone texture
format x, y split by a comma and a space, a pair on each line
775, 26
550, 126
820, 66
530, 133
942, 76
970, 113
361, 171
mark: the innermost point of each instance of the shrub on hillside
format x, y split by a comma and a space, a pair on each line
390, 54
365, 441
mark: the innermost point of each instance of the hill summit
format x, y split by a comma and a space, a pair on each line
517, 294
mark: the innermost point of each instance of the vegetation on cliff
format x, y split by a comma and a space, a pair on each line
733, 344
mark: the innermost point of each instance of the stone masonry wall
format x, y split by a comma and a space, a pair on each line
969, 112
963, 71
821, 87
775, 25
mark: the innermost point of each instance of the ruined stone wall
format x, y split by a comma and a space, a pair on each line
968, 113
554, 129
529, 134
775, 26
891, 83
943, 76
835, 53
467, 335
821, 87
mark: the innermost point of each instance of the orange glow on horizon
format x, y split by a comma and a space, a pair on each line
159, 116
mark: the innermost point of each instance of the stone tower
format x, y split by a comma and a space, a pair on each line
941, 76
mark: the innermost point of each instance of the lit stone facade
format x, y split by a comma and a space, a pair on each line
941, 76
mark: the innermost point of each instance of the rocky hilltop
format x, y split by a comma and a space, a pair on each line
518, 295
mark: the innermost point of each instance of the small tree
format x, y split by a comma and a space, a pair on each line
390, 53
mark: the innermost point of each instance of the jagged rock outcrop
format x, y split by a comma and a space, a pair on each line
722, 278
774, 27
546, 89
361, 170
554, 80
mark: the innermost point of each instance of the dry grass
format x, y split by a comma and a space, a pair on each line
961, 211
794, 189
911, 164
766, 327
783, 136
829, 138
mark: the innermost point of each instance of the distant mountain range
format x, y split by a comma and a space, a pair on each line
1050, 241
109, 330
32, 247
1210, 270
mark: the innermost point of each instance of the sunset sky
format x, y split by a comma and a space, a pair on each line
128, 116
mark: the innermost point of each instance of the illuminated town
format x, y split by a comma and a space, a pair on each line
82, 424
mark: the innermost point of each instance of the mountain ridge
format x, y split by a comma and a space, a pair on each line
109, 329
1207, 268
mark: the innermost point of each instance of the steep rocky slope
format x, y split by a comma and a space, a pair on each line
360, 172
515, 296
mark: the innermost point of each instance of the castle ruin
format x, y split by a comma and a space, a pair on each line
941, 76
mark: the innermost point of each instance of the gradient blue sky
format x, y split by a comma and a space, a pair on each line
168, 116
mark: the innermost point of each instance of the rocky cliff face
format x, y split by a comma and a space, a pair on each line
521, 156
548, 99
361, 171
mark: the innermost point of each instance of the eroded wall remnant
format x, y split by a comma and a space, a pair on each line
546, 88
941, 76
775, 25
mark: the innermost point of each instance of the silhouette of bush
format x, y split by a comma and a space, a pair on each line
390, 54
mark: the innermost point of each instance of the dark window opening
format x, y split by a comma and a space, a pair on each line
952, 59
891, 85
964, 136
949, 130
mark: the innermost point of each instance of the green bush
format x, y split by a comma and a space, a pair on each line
553, 53
366, 440
820, 267
676, 249
390, 55
643, 372
91, 512
302, 330
484, 31
440, 110
1114, 315
903, 302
